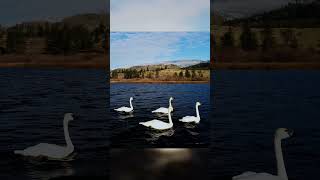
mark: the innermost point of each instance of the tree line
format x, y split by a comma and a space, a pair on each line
249, 41
155, 74
60, 37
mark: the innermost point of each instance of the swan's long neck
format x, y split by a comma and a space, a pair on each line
282, 173
66, 134
170, 105
169, 116
197, 111
131, 106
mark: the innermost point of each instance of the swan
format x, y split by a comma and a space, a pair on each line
126, 109
195, 119
159, 125
51, 151
281, 133
163, 109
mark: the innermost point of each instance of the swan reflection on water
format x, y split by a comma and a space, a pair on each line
125, 116
155, 135
49, 170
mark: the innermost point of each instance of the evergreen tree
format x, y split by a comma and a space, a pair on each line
268, 41
248, 38
227, 39
187, 74
193, 74
181, 74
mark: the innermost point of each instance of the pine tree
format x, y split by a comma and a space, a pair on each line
248, 38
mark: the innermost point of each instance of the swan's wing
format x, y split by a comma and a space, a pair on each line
188, 119
255, 176
161, 110
149, 123
123, 109
156, 124
44, 149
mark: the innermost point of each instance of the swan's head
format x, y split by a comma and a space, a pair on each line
283, 133
131, 98
68, 116
171, 98
198, 104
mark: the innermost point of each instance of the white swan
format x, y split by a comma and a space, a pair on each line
163, 109
195, 119
159, 125
281, 133
126, 109
51, 151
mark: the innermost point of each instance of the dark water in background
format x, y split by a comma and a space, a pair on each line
32, 105
127, 132
249, 106
159, 164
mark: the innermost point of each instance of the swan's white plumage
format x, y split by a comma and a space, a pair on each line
51, 151
163, 109
196, 119
156, 124
256, 176
126, 109
45, 149
159, 125
281, 133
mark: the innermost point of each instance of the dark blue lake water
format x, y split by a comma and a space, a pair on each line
127, 132
32, 105
249, 106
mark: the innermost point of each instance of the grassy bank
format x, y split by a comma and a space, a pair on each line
153, 81
266, 66
96, 61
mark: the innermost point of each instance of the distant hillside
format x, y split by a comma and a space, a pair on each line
89, 20
155, 67
203, 66
292, 15
177, 71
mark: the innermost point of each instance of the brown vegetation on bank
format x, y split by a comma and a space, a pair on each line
96, 61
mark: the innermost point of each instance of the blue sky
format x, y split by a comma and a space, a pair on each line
136, 48
159, 15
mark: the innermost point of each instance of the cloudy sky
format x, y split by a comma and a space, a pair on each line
159, 15
240, 8
135, 48
16, 11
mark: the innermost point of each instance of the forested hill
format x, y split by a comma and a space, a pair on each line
299, 15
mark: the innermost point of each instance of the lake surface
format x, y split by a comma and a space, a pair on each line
249, 106
32, 106
127, 132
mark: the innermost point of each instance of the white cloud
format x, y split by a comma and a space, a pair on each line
129, 49
141, 48
160, 15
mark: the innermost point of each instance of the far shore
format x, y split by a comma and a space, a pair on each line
151, 81
266, 66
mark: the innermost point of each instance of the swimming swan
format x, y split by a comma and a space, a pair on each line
51, 151
126, 109
281, 133
163, 109
159, 125
195, 119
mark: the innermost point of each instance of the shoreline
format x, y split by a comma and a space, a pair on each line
156, 82
81, 61
266, 66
